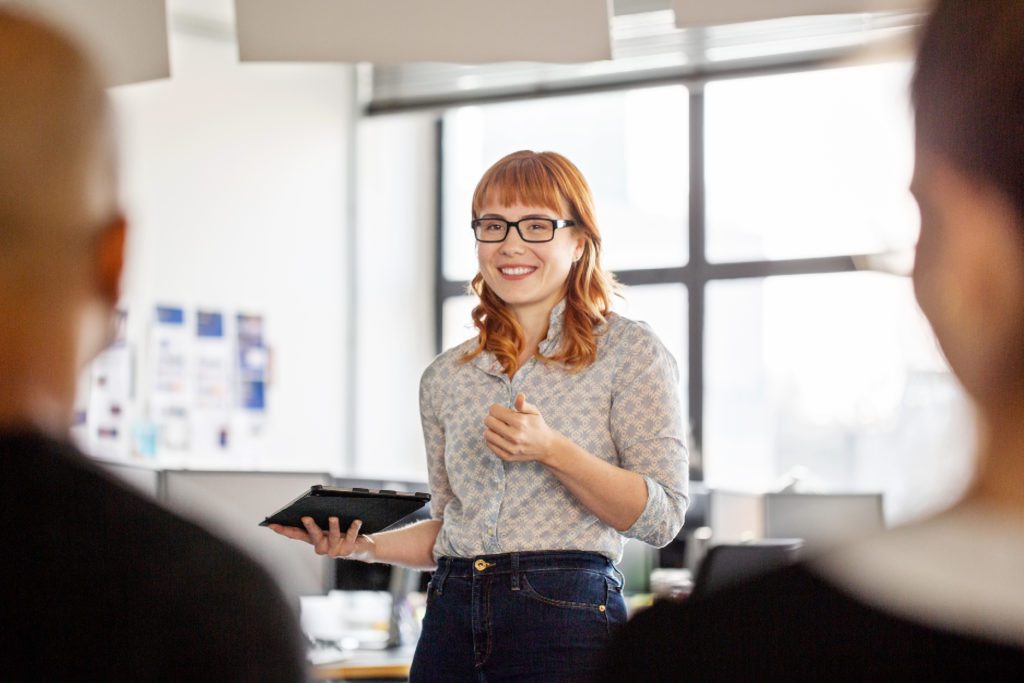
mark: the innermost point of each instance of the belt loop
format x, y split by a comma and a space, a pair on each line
621, 577
515, 571
444, 565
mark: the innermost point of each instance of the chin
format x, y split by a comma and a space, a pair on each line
514, 300
510, 295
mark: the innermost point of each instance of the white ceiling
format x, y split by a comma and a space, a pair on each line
131, 36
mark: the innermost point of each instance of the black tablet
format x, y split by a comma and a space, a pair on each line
378, 509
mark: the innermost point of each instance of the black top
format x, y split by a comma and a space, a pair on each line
100, 583
794, 625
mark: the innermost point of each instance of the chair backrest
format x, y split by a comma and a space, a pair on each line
728, 563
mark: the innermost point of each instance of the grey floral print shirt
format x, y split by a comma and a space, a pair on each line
624, 408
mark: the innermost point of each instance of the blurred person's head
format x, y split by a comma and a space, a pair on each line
569, 266
61, 228
968, 94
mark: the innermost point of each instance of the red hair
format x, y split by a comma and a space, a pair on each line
545, 179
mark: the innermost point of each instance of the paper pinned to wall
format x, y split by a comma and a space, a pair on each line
111, 396
170, 395
104, 403
211, 414
396, 31
691, 13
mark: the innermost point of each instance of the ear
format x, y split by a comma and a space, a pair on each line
110, 244
581, 245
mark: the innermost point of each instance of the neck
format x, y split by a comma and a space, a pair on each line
535, 321
999, 479
34, 408
37, 384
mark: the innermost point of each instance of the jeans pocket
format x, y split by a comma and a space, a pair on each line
432, 588
566, 588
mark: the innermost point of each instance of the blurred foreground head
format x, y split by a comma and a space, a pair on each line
968, 95
61, 229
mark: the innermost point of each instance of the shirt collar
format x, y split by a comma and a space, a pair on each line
555, 324
487, 362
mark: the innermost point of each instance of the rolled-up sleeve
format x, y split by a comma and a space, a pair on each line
647, 427
433, 440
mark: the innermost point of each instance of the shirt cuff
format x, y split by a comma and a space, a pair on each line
656, 525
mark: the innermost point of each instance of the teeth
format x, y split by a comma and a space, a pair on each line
517, 271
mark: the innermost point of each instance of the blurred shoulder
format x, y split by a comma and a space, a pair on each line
164, 574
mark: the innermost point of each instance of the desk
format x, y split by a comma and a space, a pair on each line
369, 664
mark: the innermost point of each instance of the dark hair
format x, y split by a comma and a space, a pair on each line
968, 90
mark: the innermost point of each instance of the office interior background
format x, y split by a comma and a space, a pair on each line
751, 184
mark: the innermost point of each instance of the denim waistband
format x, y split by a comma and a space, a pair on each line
507, 563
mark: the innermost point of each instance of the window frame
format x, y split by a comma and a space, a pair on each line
698, 271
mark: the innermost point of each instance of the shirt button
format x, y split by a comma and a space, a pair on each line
490, 530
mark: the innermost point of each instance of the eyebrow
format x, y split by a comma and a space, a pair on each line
532, 215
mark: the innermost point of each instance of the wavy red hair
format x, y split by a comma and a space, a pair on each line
550, 180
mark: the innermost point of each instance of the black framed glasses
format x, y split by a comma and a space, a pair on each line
529, 229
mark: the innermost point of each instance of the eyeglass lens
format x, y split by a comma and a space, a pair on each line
531, 229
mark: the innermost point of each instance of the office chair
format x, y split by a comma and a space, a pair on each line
728, 563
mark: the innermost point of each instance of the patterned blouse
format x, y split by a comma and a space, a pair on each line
623, 408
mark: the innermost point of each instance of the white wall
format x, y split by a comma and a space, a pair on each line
395, 333
235, 182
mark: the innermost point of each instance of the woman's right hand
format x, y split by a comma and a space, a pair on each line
351, 545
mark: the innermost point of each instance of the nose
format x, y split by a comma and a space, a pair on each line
513, 243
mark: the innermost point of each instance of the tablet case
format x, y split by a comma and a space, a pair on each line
377, 509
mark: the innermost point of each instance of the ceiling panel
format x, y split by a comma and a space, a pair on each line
397, 31
127, 37
715, 12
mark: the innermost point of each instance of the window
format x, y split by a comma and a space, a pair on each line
630, 145
738, 211
822, 168
833, 378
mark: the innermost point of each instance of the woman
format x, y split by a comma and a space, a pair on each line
552, 436
941, 599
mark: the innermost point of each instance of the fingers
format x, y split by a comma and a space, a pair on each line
336, 544
333, 543
353, 534
333, 532
316, 535
510, 432
511, 415
290, 532
501, 452
523, 407
502, 447
502, 413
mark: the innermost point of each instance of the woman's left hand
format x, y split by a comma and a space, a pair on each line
519, 435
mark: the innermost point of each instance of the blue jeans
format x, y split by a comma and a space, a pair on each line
537, 616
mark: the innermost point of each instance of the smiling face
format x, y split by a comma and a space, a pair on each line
528, 276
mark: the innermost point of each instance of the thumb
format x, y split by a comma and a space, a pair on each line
523, 407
